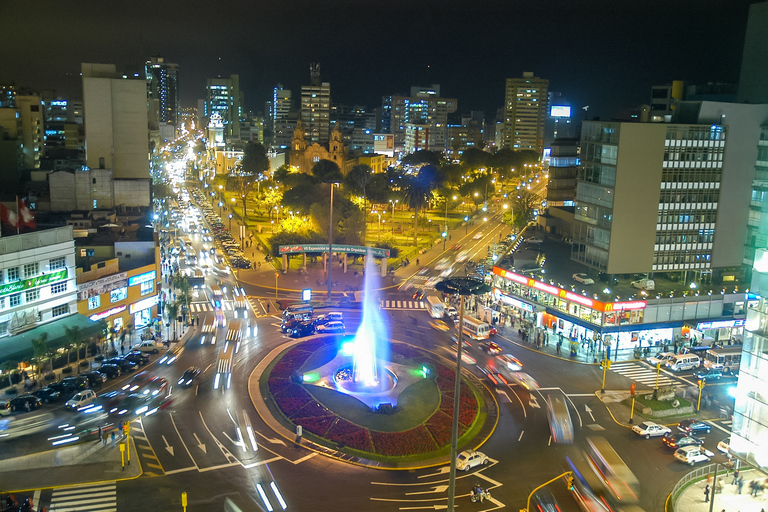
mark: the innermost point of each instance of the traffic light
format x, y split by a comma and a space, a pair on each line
445, 234
570, 482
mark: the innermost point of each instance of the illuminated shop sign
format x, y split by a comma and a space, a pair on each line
567, 295
144, 304
513, 301
107, 313
34, 282
722, 324
142, 278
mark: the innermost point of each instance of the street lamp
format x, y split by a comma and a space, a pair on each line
230, 222
463, 286
466, 224
220, 205
332, 179
393, 203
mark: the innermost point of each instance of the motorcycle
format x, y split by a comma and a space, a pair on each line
480, 495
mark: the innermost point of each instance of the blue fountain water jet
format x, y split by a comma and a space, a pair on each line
372, 329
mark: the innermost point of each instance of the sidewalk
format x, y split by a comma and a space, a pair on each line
86, 463
729, 500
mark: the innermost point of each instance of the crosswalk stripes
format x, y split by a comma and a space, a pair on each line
641, 373
150, 462
402, 304
202, 307
95, 498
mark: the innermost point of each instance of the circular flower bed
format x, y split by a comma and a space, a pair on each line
300, 406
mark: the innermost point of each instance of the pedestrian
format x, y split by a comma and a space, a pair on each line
740, 483
114, 438
752, 488
104, 437
735, 477
706, 494
100, 434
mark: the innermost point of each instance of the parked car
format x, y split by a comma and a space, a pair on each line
469, 459
535, 240
725, 445
124, 364
112, 371
71, 384
709, 374
583, 279
81, 399
644, 284
679, 440
25, 403
648, 429
140, 358
47, 395
331, 327
95, 378
189, 375
693, 454
694, 427
149, 346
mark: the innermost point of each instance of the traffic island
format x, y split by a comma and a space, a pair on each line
404, 426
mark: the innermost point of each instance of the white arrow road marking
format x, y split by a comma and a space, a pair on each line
488, 479
199, 444
534, 403
440, 471
167, 446
502, 392
589, 411
433, 507
437, 488
273, 440
170, 449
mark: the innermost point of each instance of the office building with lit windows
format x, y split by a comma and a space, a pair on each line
526, 102
223, 97
163, 89
316, 108
282, 122
423, 107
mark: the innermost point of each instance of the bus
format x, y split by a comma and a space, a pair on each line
559, 420
223, 376
196, 279
186, 244
240, 303
216, 295
585, 487
233, 331
435, 307
476, 329
617, 480
727, 359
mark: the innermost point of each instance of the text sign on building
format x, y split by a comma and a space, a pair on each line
107, 313
34, 282
351, 249
503, 297
722, 324
144, 304
142, 278
100, 286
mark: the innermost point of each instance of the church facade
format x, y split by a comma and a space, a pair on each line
305, 157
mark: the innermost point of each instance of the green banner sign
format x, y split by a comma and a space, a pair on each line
350, 249
26, 284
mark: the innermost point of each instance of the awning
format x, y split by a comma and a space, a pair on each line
19, 346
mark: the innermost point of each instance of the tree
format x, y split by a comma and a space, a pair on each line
255, 160
73, 339
523, 206
172, 308
356, 181
183, 291
423, 157
302, 197
245, 185
281, 172
327, 171
348, 220
418, 191
474, 158
40, 350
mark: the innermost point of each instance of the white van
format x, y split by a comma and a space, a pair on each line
683, 362
644, 284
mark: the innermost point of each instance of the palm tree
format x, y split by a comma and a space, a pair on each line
103, 330
40, 348
73, 338
172, 308
358, 178
417, 193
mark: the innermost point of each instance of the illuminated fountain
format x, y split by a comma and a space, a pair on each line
361, 367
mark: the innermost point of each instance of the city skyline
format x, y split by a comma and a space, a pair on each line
598, 54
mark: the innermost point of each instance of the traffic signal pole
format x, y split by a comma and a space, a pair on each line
568, 474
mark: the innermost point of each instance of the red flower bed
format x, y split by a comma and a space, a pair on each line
290, 405
445, 384
406, 351
360, 440
312, 408
446, 402
342, 428
467, 415
439, 425
415, 440
277, 386
281, 371
317, 424
445, 372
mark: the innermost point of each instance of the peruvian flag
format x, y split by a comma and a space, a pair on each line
9, 216
25, 217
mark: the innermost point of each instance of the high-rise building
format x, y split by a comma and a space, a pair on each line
316, 108
525, 112
115, 111
424, 107
753, 82
563, 167
282, 124
223, 96
163, 86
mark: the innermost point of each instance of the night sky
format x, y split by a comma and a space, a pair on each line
605, 54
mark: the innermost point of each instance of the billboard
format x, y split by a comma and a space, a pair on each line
560, 111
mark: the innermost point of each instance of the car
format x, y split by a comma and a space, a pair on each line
478, 236
462, 256
469, 459
5, 408
95, 379
331, 327
124, 365
544, 501
81, 399
510, 362
140, 358
681, 439
535, 240
423, 270
333, 316
447, 272
491, 347
583, 279
25, 403
71, 384
725, 445
524, 380
112, 371
288, 324
649, 429
692, 454
47, 395
464, 342
418, 295
439, 325
709, 374
493, 330
148, 346
304, 328
189, 375
451, 312
660, 358
694, 427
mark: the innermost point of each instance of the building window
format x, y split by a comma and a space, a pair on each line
12, 275
58, 288
14, 300
94, 302
57, 263
2, 302
31, 270
147, 287
60, 310
118, 294
32, 295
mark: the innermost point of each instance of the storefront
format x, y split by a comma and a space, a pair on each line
142, 311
